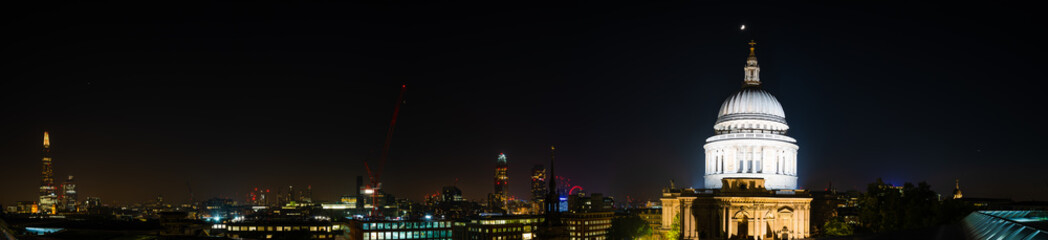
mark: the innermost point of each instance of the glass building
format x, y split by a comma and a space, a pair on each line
1014, 224
515, 227
386, 229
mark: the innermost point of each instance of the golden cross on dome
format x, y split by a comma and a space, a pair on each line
752, 43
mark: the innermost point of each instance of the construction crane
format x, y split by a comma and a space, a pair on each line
373, 176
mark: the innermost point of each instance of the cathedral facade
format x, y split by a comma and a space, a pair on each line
750, 174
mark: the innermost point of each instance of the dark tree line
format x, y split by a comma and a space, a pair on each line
630, 226
885, 208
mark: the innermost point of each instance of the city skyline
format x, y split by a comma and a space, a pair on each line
226, 105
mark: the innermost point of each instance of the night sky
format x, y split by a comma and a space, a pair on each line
143, 100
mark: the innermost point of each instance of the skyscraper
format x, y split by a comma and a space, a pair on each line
501, 194
69, 199
538, 188
48, 193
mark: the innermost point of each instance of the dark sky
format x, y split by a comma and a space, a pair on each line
143, 99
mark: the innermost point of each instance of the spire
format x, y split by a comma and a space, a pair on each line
47, 141
552, 197
752, 69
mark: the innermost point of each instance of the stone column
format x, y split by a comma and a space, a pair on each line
807, 220
731, 222
762, 222
724, 218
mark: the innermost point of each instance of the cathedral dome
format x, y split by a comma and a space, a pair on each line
751, 103
750, 139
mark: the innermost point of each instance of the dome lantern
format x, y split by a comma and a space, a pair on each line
753, 77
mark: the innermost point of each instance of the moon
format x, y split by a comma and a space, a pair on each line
743, 27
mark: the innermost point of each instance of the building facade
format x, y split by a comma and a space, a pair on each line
69, 197
750, 173
283, 229
538, 188
742, 209
48, 191
652, 216
515, 227
383, 229
501, 194
588, 225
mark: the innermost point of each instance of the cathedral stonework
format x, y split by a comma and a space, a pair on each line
750, 174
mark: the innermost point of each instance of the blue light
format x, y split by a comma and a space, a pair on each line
429, 217
42, 231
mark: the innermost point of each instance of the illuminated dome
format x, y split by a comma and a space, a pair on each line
751, 140
751, 103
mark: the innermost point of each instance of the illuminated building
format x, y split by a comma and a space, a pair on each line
652, 216
69, 199
387, 203
501, 195
257, 197
25, 207
219, 208
48, 190
750, 138
588, 225
521, 227
284, 229
750, 174
589, 217
92, 202
383, 229
345, 202
538, 188
451, 194
957, 190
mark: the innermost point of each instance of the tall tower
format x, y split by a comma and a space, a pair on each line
501, 180
552, 198
957, 189
48, 193
750, 140
552, 228
538, 188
